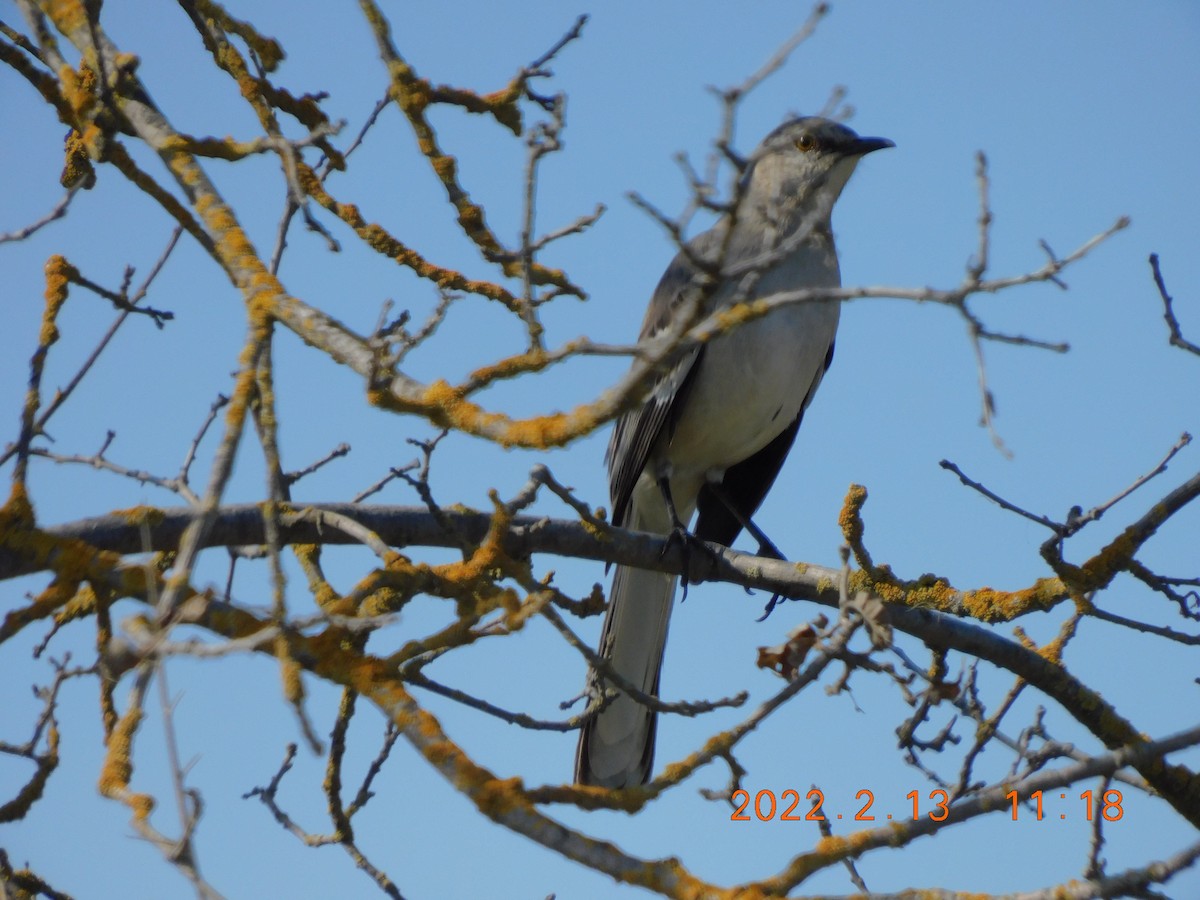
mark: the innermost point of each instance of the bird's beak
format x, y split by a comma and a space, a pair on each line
865, 145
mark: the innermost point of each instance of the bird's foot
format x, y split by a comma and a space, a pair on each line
688, 543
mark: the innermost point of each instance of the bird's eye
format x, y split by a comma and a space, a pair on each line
806, 142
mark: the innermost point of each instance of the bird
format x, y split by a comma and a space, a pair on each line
714, 431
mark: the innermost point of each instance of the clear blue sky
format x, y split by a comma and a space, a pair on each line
1086, 113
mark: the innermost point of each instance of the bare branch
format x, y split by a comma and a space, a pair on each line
732, 96
617, 681
521, 719
337, 452
1177, 338
1093, 514
1077, 518
997, 499
60, 210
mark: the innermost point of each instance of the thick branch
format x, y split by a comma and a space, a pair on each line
402, 526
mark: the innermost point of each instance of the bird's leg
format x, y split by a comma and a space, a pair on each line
766, 547
680, 534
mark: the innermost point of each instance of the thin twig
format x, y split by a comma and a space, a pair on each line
337, 452
1077, 522
1145, 627
60, 210
997, 499
379, 485
512, 718
604, 668
1177, 338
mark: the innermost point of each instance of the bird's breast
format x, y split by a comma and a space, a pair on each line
751, 384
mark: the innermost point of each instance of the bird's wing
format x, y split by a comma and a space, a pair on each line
637, 431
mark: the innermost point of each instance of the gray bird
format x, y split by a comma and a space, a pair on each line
714, 432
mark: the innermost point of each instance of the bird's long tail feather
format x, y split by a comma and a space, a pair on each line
616, 748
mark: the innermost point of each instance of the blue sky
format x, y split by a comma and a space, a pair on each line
1086, 114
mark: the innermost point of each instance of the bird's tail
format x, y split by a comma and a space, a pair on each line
616, 748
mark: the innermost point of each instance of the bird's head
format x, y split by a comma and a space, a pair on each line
807, 159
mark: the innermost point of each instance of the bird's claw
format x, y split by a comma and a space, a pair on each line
770, 607
687, 542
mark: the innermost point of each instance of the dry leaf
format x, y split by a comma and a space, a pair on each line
785, 659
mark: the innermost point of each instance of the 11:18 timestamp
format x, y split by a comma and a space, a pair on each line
1110, 809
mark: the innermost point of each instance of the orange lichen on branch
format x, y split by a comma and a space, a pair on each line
475, 600
381, 241
378, 681
385, 591
495, 797
447, 406
53, 598
77, 167
533, 360
69, 16
458, 633
1114, 558
227, 57
79, 90
1118, 556
118, 766
75, 94
498, 799
230, 243
73, 562
990, 605
214, 148
267, 50
290, 671
836, 847
1052, 651
263, 97
413, 95
59, 274
851, 523
472, 583
984, 604
83, 603
932, 592
32, 791
487, 560
828, 851
323, 593
521, 612
502, 105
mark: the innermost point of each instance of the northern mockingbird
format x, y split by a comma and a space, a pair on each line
714, 432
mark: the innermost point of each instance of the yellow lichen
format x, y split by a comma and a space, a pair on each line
932, 592
69, 16
118, 764
78, 89
77, 167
